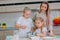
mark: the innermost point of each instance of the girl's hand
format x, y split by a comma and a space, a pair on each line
23, 27
38, 35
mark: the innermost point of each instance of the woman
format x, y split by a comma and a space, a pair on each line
44, 13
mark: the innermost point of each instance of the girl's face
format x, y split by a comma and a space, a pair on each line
38, 23
44, 7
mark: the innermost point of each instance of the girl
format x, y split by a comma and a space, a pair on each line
44, 13
24, 23
39, 29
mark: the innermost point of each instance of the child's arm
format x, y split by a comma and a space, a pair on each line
44, 31
20, 26
41, 35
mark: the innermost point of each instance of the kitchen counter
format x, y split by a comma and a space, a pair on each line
7, 31
16, 37
8, 28
40, 39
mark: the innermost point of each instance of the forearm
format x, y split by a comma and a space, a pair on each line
41, 35
18, 26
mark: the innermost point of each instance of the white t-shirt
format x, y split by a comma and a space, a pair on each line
23, 21
38, 31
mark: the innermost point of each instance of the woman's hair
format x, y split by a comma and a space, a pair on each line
41, 20
47, 10
26, 9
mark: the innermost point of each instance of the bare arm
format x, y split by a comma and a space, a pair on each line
49, 25
48, 20
17, 26
42, 35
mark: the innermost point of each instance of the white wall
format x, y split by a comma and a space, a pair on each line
11, 18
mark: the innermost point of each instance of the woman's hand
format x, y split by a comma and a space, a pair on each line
51, 34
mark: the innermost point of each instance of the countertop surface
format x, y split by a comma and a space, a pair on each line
40, 39
8, 28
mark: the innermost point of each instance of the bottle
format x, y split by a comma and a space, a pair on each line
4, 26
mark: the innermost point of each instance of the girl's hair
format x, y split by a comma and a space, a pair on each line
26, 9
41, 20
47, 10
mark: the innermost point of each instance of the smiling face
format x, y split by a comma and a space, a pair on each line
38, 23
27, 13
43, 7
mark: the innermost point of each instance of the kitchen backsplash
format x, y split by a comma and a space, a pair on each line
11, 18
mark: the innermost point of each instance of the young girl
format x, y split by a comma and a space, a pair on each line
39, 29
44, 13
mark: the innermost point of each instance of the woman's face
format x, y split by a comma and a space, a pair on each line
44, 7
38, 23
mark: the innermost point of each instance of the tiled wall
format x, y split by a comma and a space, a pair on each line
11, 18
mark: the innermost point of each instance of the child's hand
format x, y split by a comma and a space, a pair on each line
38, 35
23, 27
